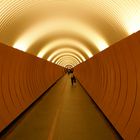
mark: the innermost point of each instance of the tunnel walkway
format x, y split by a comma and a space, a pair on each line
65, 112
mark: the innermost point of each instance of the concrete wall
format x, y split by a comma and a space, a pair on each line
23, 78
112, 78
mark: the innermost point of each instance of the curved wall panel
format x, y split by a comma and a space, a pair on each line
23, 78
112, 78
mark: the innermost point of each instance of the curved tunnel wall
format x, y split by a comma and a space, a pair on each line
23, 78
112, 78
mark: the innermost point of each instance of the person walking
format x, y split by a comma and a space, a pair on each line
73, 80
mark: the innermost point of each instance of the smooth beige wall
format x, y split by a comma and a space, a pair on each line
23, 78
112, 78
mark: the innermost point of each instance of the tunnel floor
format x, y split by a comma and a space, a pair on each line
65, 112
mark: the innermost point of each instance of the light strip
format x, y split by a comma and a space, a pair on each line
67, 61
65, 50
67, 58
64, 42
59, 25
69, 54
64, 64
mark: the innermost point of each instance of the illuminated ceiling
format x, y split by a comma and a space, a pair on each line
67, 32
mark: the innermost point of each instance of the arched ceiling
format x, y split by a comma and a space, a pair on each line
67, 32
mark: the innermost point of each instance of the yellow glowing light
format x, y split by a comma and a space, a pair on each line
56, 25
133, 24
66, 63
70, 58
68, 66
67, 60
62, 42
122, 17
65, 50
64, 58
69, 54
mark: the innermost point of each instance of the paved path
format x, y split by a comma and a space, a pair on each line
65, 112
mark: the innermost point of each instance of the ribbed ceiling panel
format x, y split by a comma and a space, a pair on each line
28, 24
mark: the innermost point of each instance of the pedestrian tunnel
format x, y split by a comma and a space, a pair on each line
40, 40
